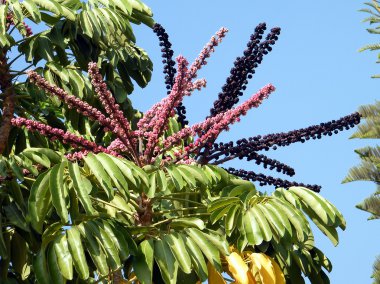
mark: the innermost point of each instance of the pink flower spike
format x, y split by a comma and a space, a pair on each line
59, 134
215, 125
206, 52
120, 123
166, 109
72, 101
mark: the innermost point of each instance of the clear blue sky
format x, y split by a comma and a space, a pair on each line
319, 76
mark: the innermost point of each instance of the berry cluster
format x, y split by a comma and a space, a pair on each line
248, 148
272, 141
244, 68
167, 55
268, 180
169, 69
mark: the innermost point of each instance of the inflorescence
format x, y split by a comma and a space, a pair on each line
150, 140
244, 68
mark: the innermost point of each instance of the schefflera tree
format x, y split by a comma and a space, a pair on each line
145, 201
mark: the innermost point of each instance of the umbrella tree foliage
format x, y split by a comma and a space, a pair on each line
93, 191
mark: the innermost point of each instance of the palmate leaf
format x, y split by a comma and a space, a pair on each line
280, 219
165, 261
65, 249
177, 245
143, 265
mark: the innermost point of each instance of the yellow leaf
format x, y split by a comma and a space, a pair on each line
239, 269
261, 267
280, 278
214, 277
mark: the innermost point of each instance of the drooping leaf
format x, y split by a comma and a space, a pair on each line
165, 261
59, 192
77, 251
40, 201
143, 264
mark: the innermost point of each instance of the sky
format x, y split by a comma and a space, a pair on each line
319, 76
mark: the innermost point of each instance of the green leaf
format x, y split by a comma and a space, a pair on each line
44, 49
176, 177
222, 203
15, 216
298, 221
53, 156
38, 158
231, 219
76, 82
85, 24
329, 231
197, 173
40, 268
97, 168
117, 237
128, 174
50, 6
97, 27
39, 201
58, 70
19, 255
114, 172
197, 258
165, 261
82, 188
315, 203
64, 258
77, 252
143, 264
240, 189
59, 192
54, 271
187, 222
263, 223
152, 185
95, 250
326, 263
187, 176
124, 5
273, 220
33, 10
161, 180
208, 248
277, 214
17, 11
3, 18
217, 240
106, 241
252, 229
179, 250
3, 247
219, 213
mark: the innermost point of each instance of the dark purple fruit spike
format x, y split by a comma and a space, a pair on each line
275, 140
169, 69
244, 68
268, 180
